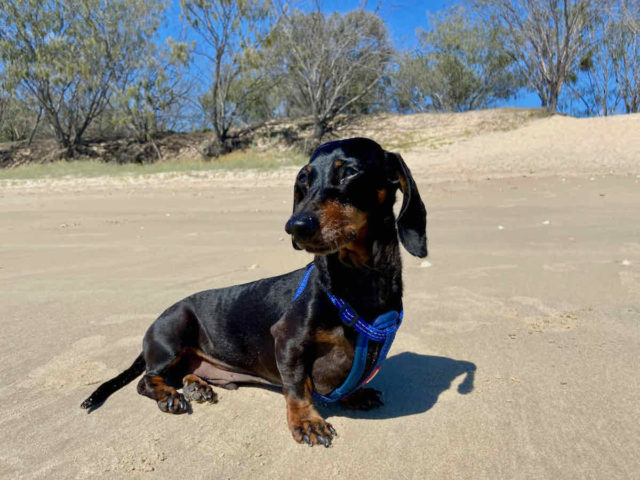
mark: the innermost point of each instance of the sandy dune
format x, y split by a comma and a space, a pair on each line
518, 357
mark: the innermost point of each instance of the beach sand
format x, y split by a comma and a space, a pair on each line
517, 358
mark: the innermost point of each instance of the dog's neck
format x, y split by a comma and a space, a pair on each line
368, 273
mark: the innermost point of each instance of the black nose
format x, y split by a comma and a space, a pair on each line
302, 227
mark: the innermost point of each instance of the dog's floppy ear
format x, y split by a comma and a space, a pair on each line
412, 219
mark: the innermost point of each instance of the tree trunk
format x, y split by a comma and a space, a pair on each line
553, 95
319, 129
35, 127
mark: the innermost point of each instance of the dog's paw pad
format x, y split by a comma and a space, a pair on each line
313, 432
174, 403
200, 392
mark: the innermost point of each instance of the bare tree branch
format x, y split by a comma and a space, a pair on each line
328, 64
547, 39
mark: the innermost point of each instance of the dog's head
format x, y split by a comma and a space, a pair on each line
346, 185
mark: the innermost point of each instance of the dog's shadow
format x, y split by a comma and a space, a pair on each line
411, 383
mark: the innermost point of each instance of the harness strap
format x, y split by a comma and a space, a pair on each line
382, 329
303, 282
352, 319
357, 377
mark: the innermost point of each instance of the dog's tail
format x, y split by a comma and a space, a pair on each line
103, 392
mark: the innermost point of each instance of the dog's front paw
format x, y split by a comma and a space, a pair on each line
197, 390
363, 399
312, 431
174, 402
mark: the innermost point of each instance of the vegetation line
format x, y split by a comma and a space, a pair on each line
79, 73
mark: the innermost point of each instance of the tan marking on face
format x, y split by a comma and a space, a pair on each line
356, 253
403, 183
340, 223
382, 195
308, 168
342, 226
338, 163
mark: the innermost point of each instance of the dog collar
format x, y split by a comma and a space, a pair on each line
382, 330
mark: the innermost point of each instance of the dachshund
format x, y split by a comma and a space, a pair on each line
258, 333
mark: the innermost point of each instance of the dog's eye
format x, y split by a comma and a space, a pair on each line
303, 177
348, 172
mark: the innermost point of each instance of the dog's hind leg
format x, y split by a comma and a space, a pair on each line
167, 397
165, 341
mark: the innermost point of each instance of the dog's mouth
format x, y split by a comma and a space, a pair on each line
325, 244
316, 249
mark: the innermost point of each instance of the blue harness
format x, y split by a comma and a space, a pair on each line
382, 329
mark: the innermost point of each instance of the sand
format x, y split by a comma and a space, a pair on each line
518, 356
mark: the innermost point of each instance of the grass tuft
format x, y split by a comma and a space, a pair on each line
94, 168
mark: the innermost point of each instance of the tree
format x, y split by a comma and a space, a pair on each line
593, 84
154, 93
459, 66
609, 73
546, 39
231, 32
70, 55
19, 119
328, 64
625, 52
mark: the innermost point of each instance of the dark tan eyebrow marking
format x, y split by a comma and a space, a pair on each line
382, 195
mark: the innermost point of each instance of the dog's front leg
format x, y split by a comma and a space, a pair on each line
304, 421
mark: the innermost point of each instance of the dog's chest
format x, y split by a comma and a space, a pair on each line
333, 359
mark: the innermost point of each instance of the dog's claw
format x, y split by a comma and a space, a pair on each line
199, 391
174, 403
313, 432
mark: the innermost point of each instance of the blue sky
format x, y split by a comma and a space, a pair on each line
402, 18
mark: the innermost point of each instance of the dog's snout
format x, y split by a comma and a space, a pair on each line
302, 227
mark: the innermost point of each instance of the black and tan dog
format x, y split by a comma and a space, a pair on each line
343, 214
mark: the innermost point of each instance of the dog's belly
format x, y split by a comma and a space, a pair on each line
218, 376
221, 374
